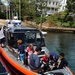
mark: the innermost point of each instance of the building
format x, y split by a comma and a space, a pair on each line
50, 6
55, 6
62, 5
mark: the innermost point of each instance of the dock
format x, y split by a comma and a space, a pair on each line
58, 29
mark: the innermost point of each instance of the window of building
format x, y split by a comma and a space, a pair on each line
49, 2
56, 9
56, 3
53, 3
52, 8
48, 8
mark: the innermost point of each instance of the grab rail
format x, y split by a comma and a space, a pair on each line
16, 65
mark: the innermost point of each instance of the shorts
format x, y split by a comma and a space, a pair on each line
35, 70
2, 40
21, 57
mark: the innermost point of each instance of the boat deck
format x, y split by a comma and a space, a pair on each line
64, 71
13, 57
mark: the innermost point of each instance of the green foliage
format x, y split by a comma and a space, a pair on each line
25, 8
70, 5
59, 19
58, 23
2, 15
37, 20
74, 24
29, 12
69, 24
69, 18
66, 24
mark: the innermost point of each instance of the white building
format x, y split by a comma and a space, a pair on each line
52, 6
62, 5
55, 6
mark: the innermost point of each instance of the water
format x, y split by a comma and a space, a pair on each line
62, 42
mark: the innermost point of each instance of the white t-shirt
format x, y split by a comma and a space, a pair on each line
1, 34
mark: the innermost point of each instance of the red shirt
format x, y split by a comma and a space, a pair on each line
29, 50
45, 59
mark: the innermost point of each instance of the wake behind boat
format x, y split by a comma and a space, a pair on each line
28, 35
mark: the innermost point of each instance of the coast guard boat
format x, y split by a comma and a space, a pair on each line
28, 35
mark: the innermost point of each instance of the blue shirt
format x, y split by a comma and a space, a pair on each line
21, 49
34, 61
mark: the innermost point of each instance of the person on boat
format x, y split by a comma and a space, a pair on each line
2, 37
21, 50
45, 58
63, 62
35, 64
45, 61
53, 56
12, 41
53, 60
29, 50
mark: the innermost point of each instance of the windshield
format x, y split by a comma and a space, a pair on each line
30, 37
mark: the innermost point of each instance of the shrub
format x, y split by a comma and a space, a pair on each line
38, 20
2, 15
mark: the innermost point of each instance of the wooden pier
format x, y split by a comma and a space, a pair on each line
58, 29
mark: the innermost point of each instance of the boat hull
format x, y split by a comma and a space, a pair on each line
17, 69
14, 67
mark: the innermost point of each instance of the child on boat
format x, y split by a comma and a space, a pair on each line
53, 56
63, 62
21, 50
45, 61
29, 50
45, 58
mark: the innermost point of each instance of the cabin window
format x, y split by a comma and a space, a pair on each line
38, 39
19, 36
38, 35
30, 37
11, 40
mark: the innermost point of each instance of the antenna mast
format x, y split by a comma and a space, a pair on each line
19, 9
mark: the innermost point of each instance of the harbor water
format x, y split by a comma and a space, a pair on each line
62, 42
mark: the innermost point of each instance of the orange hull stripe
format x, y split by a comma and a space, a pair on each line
16, 65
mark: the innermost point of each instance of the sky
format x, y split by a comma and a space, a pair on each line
5, 2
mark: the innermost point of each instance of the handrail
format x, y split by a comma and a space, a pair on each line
16, 65
70, 70
20, 68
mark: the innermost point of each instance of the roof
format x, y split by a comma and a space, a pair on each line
21, 28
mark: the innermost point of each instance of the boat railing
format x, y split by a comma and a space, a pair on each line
3, 70
48, 72
13, 62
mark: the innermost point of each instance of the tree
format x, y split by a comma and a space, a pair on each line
70, 8
26, 8
70, 5
2, 10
